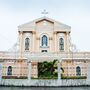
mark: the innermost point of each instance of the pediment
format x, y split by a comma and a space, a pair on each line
44, 23
33, 23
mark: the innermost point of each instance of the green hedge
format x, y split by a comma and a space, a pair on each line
45, 78
73, 77
14, 77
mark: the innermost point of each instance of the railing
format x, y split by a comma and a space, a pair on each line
9, 55
14, 55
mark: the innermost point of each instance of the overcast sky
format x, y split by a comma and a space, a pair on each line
75, 13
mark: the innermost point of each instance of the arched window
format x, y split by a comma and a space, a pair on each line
27, 43
9, 71
78, 71
61, 44
44, 40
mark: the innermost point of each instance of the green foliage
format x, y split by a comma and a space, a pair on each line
73, 77
14, 77
45, 78
47, 70
62, 70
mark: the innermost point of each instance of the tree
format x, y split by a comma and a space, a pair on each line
47, 69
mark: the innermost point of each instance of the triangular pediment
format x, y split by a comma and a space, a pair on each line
34, 22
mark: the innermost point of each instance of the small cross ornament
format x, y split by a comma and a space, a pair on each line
44, 12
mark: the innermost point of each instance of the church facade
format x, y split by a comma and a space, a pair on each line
40, 40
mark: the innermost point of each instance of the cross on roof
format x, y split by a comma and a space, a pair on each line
44, 12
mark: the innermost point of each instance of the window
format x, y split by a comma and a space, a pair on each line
27, 44
78, 71
9, 71
61, 44
44, 40
44, 50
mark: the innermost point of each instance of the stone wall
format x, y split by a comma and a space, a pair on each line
34, 82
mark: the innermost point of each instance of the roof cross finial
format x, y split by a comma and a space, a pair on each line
44, 12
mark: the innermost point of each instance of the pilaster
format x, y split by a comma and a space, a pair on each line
68, 35
29, 70
55, 42
33, 33
21, 43
50, 44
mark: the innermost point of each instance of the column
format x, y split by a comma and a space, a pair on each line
88, 72
29, 70
19, 69
59, 74
0, 72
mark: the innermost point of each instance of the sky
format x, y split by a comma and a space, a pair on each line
75, 13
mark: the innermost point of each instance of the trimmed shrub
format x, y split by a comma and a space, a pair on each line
73, 77
14, 77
